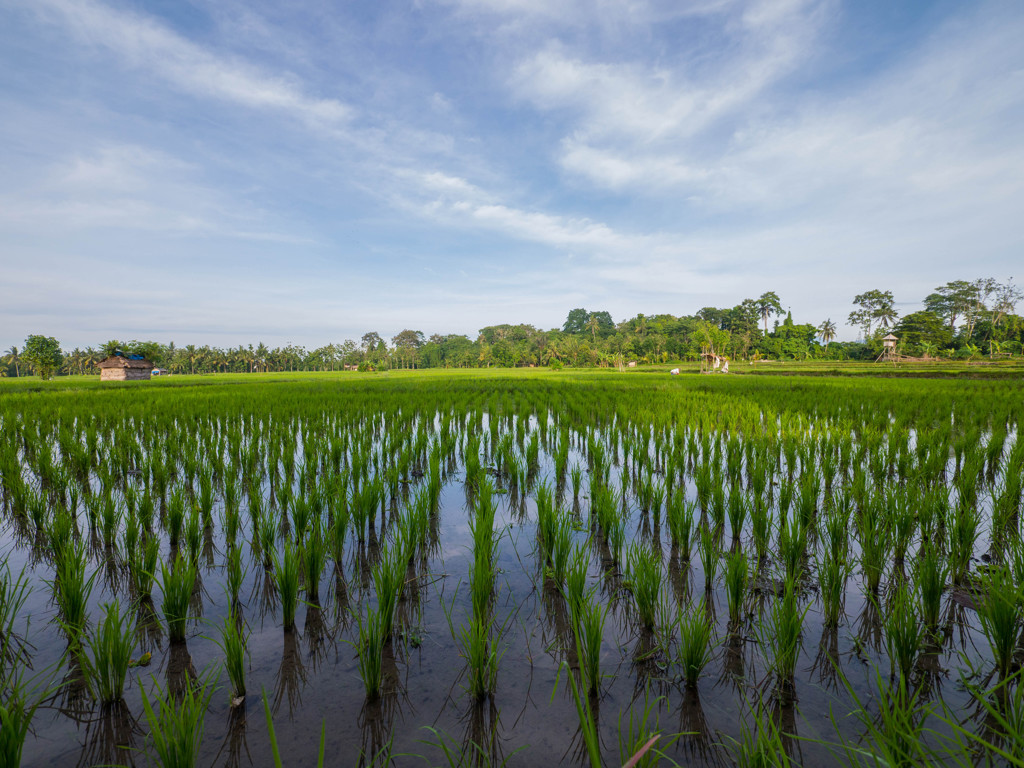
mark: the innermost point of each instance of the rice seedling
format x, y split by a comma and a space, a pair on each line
20, 701
832, 573
576, 479
109, 651
708, 556
792, 547
641, 743
694, 630
903, 634
561, 546
574, 586
372, 636
584, 710
874, 545
761, 747
313, 555
177, 584
930, 574
736, 578
680, 516
142, 567
738, 512
286, 576
71, 590
960, 545
235, 574
481, 655
588, 617
175, 516
780, 635
1001, 611
644, 568
233, 643
760, 527
176, 722
266, 530
388, 582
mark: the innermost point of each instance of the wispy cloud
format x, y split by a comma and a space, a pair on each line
142, 42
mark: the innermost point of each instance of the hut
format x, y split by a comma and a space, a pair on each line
888, 348
121, 367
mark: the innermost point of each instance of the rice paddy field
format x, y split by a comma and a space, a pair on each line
513, 568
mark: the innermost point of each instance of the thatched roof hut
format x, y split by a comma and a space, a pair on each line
120, 367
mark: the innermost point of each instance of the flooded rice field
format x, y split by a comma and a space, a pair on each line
513, 571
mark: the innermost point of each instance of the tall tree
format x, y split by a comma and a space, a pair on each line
371, 341
576, 322
827, 331
873, 306
951, 301
43, 354
768, 304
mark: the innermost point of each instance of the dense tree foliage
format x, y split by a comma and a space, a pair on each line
961, 319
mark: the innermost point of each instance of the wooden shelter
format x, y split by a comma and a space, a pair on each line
888, 348
119, 367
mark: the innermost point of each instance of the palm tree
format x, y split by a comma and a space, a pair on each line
192, 354
13, 358
593, 325
827, 331
768, 305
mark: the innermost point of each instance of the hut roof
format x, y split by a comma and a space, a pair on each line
126, 361
890, 337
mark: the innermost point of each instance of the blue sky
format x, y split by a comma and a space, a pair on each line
225, 172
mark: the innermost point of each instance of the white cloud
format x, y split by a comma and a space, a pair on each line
144, 43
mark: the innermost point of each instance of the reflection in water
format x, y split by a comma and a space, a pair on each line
236, 740
869, 625
826, 662
181, 673
267, 598
784, 716
693, 725
72, 696
481, 741
732, 659
291, 674
149, 632
316, 635
110, 737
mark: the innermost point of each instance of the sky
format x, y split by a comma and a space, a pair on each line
233, 171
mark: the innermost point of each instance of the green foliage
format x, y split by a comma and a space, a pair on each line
43, 355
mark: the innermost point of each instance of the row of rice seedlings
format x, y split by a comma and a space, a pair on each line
475, 637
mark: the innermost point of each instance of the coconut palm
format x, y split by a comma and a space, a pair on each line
827, 331
13, 358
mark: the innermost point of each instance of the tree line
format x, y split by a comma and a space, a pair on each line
959, 320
